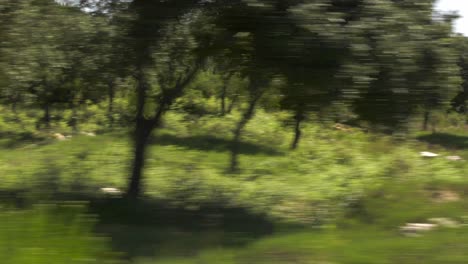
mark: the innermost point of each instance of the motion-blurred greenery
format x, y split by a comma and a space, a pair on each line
260, 131
347, 191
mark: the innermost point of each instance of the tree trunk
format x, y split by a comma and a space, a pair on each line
466, 116
145, 126
224, 93
249, 113
426, 120
74, 118
46, 117
110, 110
13, 107
223, 100
231, 105
142, 133
299, 117
14, 104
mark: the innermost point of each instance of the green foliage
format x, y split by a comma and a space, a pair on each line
406, 66
365, 184
202, 72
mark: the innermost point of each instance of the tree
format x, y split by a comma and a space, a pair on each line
160, 35
459, 102
147, 28
394, 58
302, 41
43, 56
257, 87
320, 48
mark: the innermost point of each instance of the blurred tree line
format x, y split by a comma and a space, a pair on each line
378, 62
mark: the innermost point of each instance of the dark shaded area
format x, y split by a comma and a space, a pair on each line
16, 198
15, 140
149, 228
155, 228
211, 143
446, 140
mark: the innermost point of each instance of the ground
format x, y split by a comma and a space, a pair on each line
340, 198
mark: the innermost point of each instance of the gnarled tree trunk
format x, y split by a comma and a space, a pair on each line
232, 104
224, 93
145, 126
298, 117
248, 114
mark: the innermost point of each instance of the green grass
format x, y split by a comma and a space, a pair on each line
345, 192
186, 165
361, 245
367, 233
51, 234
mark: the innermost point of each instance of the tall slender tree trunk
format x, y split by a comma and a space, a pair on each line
232, 104
46, 117
74, 118
223, 100
224, 93
14, 109
142, 133
299, 117
13, 106
110, 109
466, 116
426, 120
248, 114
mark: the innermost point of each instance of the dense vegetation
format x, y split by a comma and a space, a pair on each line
211, 124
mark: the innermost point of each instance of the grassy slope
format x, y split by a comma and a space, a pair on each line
379, 184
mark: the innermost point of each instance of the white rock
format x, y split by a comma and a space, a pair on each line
414, 229
428, 154
444, 222
242, 34
454, 158
59, 136
110, 190
419, 226
89, 134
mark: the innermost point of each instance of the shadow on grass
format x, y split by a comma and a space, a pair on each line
210, 143
10, 140
154, 229
446, 140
